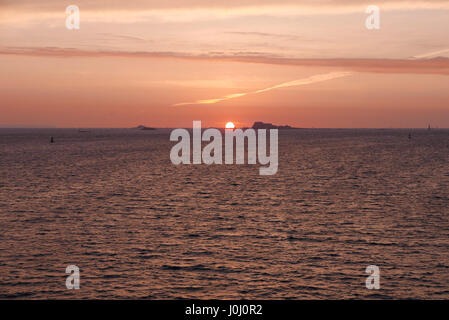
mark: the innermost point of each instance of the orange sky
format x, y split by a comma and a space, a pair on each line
166, 64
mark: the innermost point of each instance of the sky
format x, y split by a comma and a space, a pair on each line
305, 63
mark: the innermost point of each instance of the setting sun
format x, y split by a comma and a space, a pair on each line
230, 125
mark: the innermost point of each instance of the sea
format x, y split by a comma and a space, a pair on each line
111, 202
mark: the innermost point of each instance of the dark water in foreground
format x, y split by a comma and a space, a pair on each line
112, 203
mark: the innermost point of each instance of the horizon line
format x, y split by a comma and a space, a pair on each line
212, 127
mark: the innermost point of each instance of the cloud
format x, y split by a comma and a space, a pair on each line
264, 34
438, 65
192, 10
113, 36
295, 83
430, 54
108, 5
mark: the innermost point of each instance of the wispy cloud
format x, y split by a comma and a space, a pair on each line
181, 11
264, 34
387, 66
295, 83
430, 54
112, 36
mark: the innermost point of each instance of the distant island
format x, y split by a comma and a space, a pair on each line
141, 127
263, 125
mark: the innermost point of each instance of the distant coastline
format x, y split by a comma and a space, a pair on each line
141, 127
263, 125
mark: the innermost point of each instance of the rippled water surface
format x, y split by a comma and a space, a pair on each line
112, 203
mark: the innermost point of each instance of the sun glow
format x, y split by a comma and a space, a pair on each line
230, 125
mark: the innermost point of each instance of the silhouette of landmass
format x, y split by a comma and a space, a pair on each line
141, 127
263, 125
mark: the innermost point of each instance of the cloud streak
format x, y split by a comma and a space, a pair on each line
295, 83
182, 11
439, 66
430, 54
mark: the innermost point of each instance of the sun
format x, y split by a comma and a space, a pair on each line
230, 125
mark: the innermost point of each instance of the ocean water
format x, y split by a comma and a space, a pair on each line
111, 202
